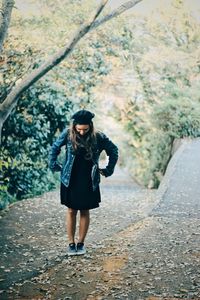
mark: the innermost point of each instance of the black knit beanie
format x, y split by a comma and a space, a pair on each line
83, 117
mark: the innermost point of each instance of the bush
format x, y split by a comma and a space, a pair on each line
43, 111
152, 131
178, 117
164, 100
27, 135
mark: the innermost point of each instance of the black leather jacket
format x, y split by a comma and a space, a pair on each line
103, 143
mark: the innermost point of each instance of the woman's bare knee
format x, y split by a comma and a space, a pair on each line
72, 212
84, 212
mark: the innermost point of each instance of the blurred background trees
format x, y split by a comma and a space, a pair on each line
155, 88
139, 74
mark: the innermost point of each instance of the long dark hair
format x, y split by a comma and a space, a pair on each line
87, 141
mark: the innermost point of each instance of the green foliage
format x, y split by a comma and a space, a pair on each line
42, 112
152, 155
164, 103
27, 135
45, 109
178, 118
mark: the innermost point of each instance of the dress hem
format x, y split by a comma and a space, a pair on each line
80, 208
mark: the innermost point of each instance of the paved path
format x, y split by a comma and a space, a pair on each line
140, 245
165, 260
180, 190
33, 237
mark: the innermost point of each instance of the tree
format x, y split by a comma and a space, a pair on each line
10, 101
155, 94
5, 15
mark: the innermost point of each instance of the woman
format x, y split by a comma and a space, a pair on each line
80, 174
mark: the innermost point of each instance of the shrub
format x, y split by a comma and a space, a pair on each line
42, 112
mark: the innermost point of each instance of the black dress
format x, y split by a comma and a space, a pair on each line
80, 195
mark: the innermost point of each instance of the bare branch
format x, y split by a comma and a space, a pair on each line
118, 11
11, 100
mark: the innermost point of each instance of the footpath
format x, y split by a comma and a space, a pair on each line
142, 244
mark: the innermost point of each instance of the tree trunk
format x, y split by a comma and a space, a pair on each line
5, 15
11, 100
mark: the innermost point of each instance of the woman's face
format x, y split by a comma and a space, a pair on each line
82, 129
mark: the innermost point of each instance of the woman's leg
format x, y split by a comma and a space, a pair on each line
84, 224
71, 224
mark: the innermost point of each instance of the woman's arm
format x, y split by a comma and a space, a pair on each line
55, 151
112, 152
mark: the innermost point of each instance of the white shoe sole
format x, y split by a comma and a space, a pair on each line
80, 253
72, 254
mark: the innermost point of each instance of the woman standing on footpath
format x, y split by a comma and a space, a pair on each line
80, 173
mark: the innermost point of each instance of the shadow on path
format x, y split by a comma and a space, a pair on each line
141, 244
33, 237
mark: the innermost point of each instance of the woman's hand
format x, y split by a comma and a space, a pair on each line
57, 167
102, 172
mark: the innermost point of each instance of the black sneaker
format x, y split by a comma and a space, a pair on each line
71, 250
80, 249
